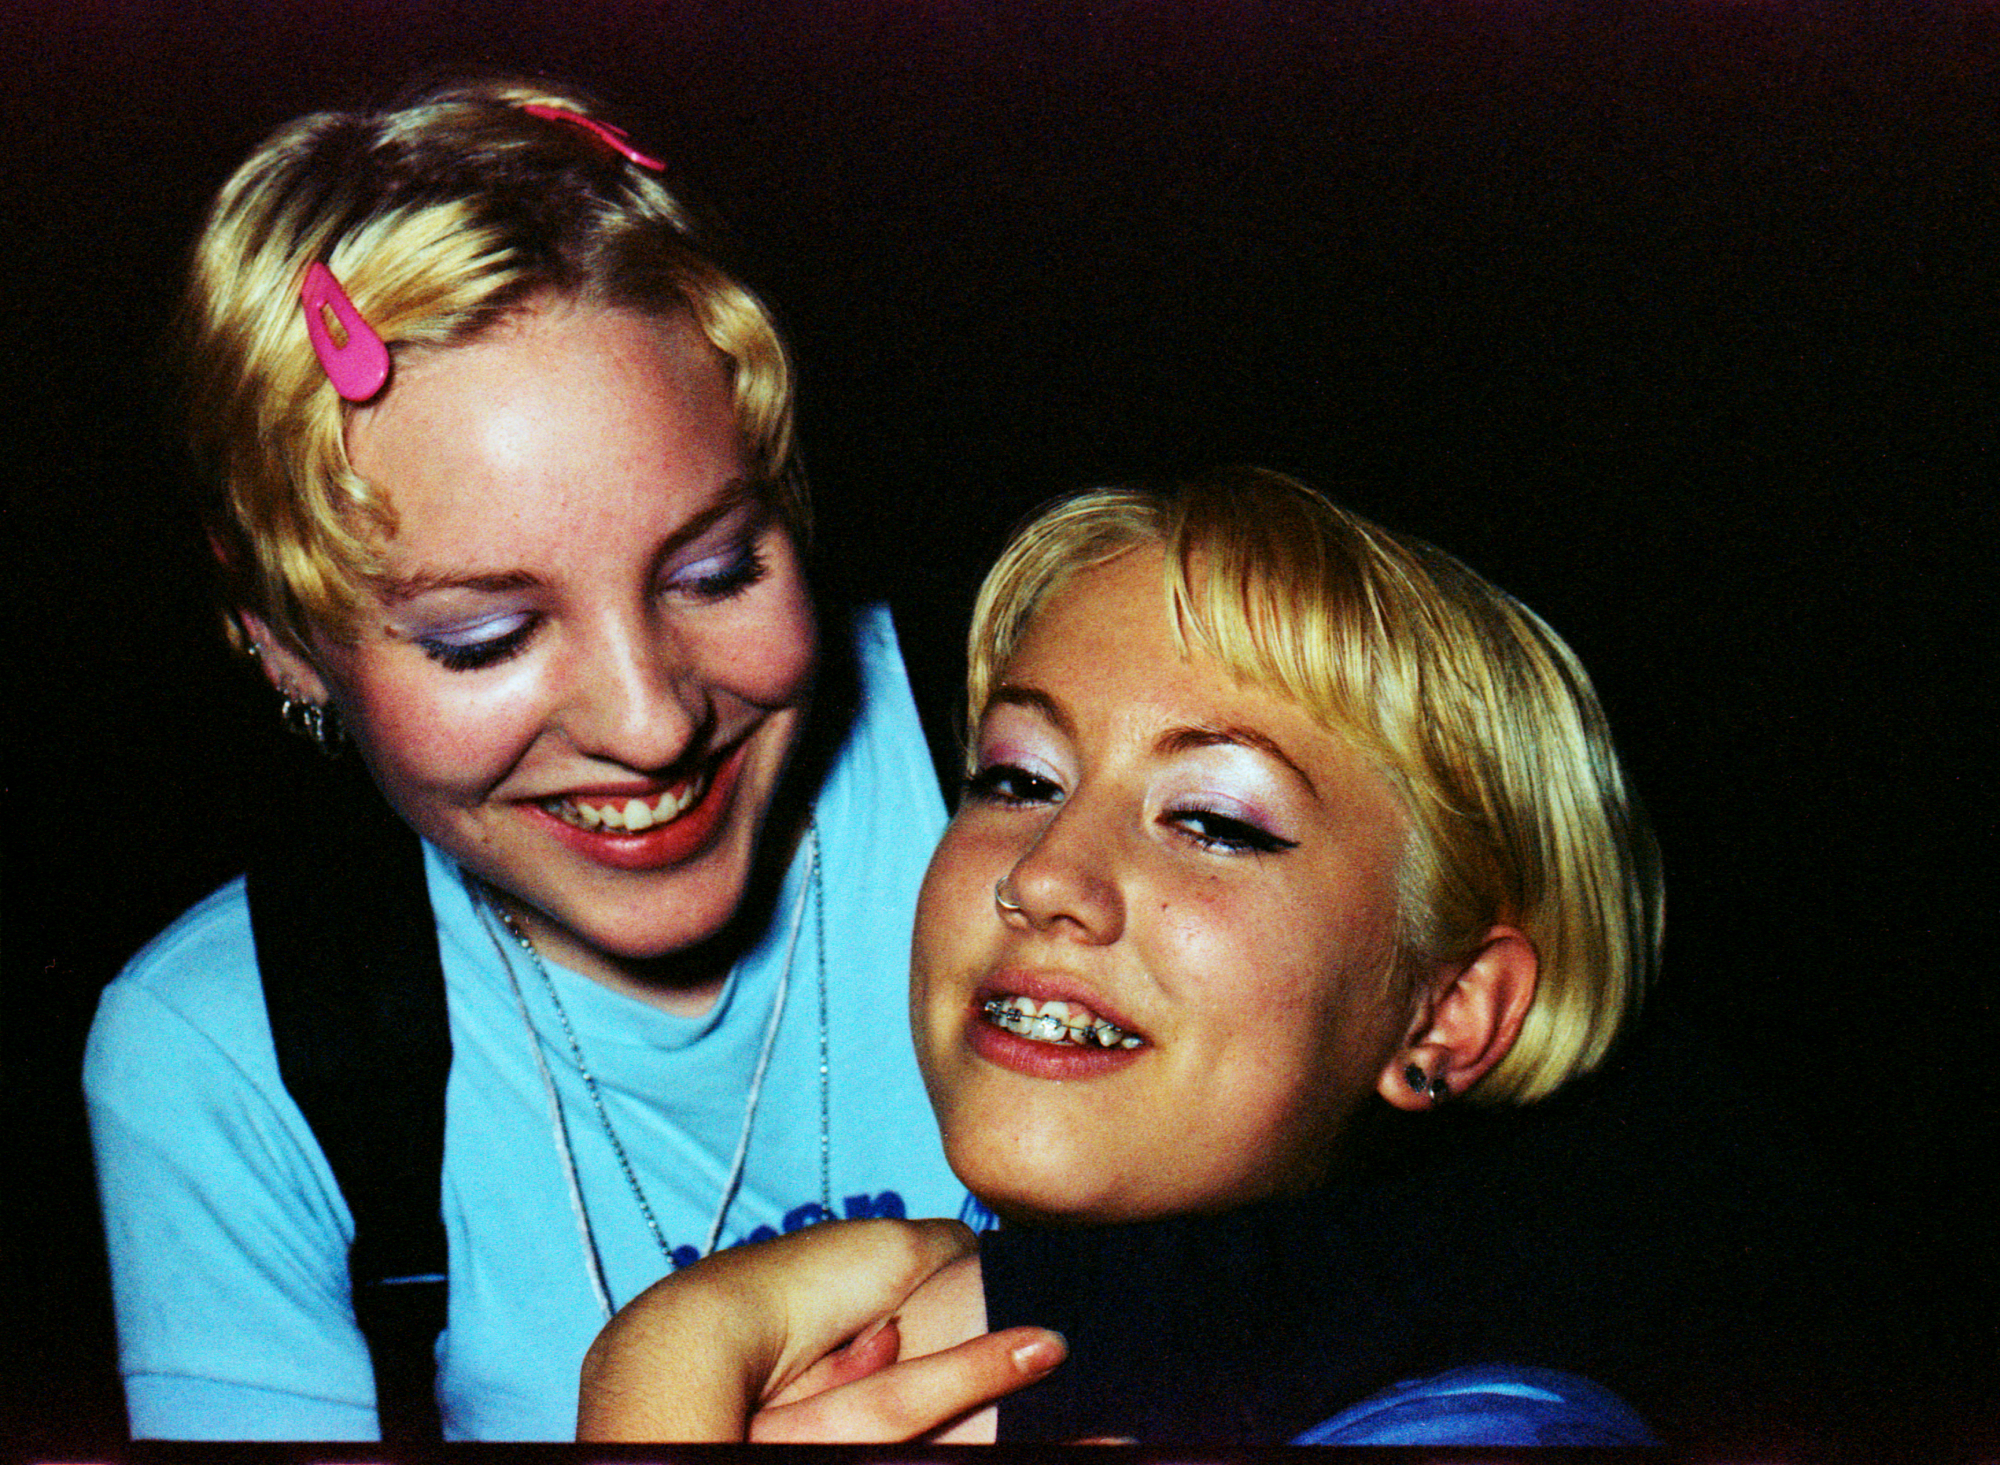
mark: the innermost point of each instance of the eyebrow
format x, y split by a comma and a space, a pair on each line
1173, 740
410, 587
1187, 739
1012, 694
733, 495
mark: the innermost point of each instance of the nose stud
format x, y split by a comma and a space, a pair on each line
1009, 907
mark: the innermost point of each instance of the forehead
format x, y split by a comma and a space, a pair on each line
1103, 648
1107, 630
548, 414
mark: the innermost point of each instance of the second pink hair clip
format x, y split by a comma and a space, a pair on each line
614, 137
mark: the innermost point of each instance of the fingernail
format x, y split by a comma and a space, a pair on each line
1039, 1355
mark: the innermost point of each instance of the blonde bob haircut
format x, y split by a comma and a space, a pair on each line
1469, 704
439, 218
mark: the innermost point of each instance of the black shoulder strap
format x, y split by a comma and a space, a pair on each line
347, 946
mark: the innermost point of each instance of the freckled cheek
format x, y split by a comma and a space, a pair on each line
460, 743
788, 676
952, 904
767, 664
1205, 935
936, 1016
1260, 985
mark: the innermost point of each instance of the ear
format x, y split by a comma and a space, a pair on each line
1467, 1024
285, 666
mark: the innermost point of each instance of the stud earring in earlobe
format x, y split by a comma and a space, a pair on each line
1436, 1089
357, 369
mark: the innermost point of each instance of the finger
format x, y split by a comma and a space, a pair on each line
918, 1397
849, 1274
876, 1348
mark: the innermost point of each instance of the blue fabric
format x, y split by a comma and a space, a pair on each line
1491, 1404
228, 1236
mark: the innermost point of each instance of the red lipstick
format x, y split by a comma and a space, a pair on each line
673, 843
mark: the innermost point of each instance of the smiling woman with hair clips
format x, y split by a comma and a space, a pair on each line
496, 461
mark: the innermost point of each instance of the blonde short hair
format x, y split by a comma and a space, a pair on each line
439, 218
1468, 703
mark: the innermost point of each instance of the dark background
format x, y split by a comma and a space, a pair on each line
1677, 319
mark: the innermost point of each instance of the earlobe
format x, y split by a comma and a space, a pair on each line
1469, 1023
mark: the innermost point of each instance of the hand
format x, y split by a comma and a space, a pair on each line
700, 1352
951, 1368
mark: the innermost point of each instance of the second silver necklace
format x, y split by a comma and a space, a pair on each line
812, 892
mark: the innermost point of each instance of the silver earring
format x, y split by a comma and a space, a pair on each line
1421, 1083
316, 722
1011, 907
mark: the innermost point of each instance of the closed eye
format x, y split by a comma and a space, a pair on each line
721, 576
1007, 783
1225, 835
482, 644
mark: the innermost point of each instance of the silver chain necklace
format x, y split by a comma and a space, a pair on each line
812, 892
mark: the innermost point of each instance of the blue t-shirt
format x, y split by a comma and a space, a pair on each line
228, 1237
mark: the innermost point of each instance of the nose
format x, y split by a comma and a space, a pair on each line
1067, 881
636, 697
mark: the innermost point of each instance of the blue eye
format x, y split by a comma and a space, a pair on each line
721, 576
1225, 835
486, 643
1005, 783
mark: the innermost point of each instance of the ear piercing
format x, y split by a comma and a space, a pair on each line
1421, 1083
316, 722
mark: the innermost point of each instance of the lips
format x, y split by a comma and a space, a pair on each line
1038, 1031
649, 829
1056, 1021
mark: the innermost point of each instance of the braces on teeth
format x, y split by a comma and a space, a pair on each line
1049, 1026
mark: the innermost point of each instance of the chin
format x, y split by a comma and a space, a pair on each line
1038, 1198
1043, 1211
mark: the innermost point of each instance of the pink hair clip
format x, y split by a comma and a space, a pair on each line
357, 369
614, 137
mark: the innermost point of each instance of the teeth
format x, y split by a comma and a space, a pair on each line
634, 815
1056, 1022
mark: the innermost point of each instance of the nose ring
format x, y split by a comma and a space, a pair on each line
1011, 907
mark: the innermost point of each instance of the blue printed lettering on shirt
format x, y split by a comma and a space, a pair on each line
884, 1205
809, 1214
